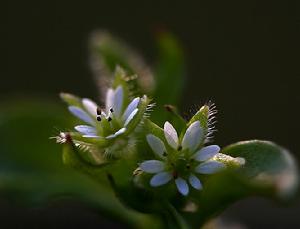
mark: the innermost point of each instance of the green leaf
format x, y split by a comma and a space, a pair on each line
267, 164
169, 75
269, 171
108, 52
31, 167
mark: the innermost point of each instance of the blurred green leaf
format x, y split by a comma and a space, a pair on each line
169, 75
269, 171
269, 165
165, 85
31, 168
108, 52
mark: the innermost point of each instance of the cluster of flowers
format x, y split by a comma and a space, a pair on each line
176, 157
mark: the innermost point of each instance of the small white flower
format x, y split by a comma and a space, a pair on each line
110, 122
186, 158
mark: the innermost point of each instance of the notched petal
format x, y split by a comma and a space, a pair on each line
131, 107
160, 179
81, 114
192, 136
182, 186
116, 134
131, 116
110, 94
207, 153
86, 130
90, 106
118, 101
156, 145
171, 135
152, 166
195, 182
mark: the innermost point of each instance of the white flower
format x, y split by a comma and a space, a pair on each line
110, 122
183, 160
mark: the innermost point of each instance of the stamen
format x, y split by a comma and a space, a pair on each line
169, 108
109, 119
179, 148
188, 166
175, 175
165, 154
111, 110
98, 111
98, 118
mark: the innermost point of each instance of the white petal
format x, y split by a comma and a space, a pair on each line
192, 137
156, 145
131, 116
86, 130
131, 107
195, 182
207, 153
182, 186
118, 101
81, 114
90, 136
110, 94
90, 106
160, 179
209, 167
171, 135
119, 132
152, 166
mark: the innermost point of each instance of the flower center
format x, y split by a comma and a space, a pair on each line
108, 123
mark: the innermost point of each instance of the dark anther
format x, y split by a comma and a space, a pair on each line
68, 138
175, 175
109, 119
188, 166
98, 111
179, 148
111, 110
99, 118
165, 154
169, 108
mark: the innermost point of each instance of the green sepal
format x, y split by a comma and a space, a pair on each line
142, 112
100, 142
230, 162
77, 158
108, 52
202, 115
70, 99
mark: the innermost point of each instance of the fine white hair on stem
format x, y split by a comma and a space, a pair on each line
211, 121
149, 109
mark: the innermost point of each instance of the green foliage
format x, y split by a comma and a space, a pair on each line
267, 164
164, 82
33, 169
269, 171
169, 74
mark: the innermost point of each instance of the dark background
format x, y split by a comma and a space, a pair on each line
244, 55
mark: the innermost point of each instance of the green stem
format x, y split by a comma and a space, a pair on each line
174, 219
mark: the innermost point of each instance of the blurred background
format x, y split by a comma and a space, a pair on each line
243, 55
